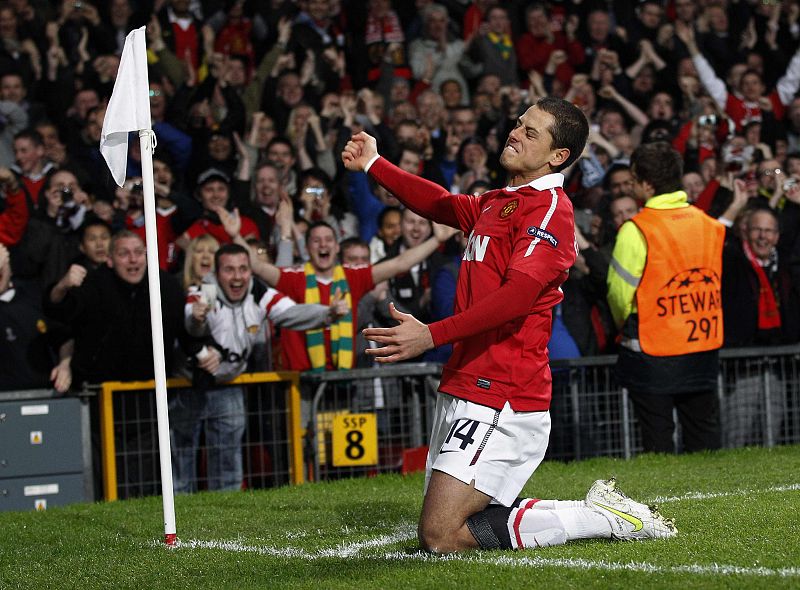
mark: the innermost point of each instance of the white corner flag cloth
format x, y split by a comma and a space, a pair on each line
129, 107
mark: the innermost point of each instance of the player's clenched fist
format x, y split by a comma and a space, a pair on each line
361, 148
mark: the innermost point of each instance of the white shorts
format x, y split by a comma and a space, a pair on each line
497, 449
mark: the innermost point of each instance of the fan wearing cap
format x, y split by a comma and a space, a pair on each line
213, 192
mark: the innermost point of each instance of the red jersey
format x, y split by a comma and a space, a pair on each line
530, 229
165, 236
292, 282
206, 226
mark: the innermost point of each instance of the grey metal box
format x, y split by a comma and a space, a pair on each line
42, 492
40, 436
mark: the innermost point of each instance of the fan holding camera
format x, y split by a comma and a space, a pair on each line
51, 239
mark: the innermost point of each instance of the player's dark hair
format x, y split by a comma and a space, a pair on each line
229, 249
570, 129
658, 164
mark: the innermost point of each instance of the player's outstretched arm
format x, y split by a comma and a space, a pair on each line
425, 198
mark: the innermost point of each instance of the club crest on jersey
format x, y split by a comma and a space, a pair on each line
509, 208
538, 232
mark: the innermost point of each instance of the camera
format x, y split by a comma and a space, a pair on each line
790, 183
67, 196
707, 120
77, 5
317, 191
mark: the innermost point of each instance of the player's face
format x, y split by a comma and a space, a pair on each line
128, 260
527, 152
95, 243
233, 275
322, 248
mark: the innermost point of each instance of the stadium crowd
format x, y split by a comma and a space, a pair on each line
252, 103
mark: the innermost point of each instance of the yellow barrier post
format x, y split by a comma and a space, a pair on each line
108, 444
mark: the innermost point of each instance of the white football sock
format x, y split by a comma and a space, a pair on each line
555, 504
583, 523
529, 527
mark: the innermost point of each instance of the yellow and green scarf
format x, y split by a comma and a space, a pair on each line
502, 43
341, 331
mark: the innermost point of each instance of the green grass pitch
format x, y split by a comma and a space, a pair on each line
737, 514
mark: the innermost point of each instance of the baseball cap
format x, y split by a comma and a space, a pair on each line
212, 174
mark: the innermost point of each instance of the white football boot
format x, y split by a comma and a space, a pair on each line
629, 519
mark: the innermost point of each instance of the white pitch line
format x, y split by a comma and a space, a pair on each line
350, 550
342, 551
710, 495
407, 532
586, 564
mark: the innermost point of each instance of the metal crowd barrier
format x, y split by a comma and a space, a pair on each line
367, 421
271, 449
758, 390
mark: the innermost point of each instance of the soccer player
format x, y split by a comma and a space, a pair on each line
492, 418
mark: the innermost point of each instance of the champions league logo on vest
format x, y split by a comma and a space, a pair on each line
692, 291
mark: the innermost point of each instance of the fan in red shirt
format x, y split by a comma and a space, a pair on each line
492, 421
213, 191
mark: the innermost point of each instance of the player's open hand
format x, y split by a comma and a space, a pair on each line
410, 338
361, 148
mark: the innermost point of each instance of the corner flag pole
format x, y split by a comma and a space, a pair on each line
147, 144
129, 110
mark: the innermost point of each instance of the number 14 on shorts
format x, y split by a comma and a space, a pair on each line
463, 434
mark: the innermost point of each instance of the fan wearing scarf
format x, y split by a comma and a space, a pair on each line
332, 348
231, 312
761, 307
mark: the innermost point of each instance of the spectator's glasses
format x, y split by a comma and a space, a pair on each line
767, 231
770, 172
155, 93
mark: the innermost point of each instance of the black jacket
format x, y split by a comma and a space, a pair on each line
740, 289
110, 320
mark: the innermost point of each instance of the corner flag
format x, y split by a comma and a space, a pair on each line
129, 110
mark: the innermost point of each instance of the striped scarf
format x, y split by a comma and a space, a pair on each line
502, 43
341, 331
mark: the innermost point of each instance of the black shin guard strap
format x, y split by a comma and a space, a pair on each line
490, 528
